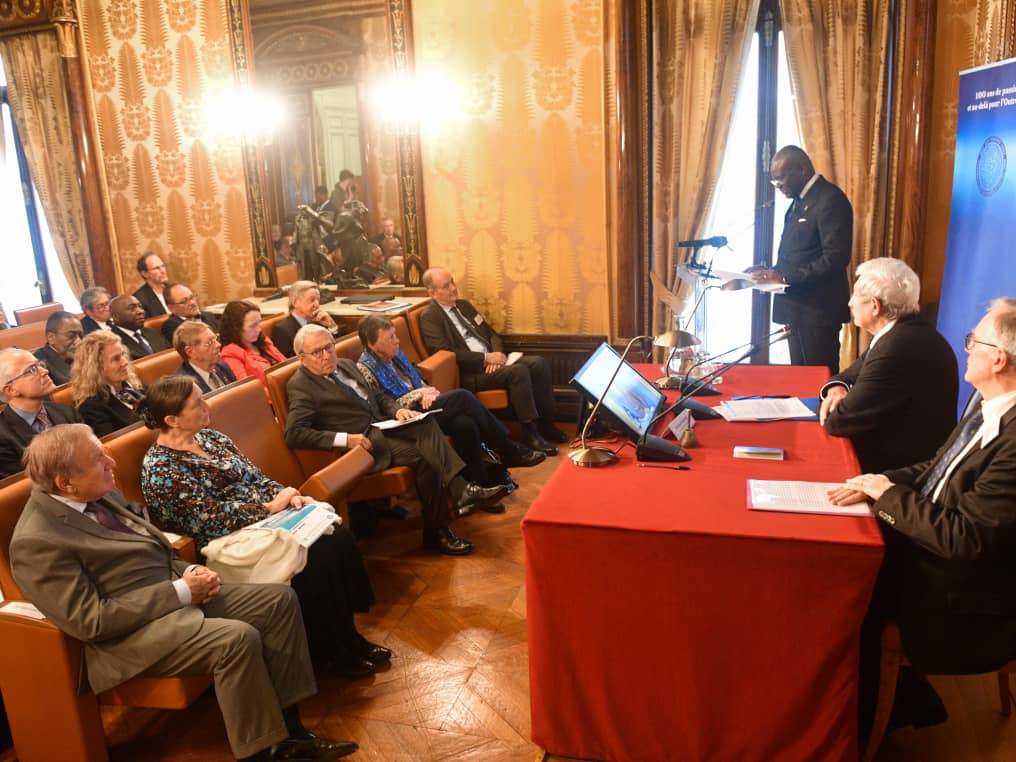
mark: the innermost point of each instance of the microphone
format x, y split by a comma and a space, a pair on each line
685, 382
716, 240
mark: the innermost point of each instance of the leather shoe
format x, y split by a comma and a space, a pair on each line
372, 652
474, 496
552, 433
521, 456
536, 442
496, 508
447, 542
351, 665
917, 703
309, 749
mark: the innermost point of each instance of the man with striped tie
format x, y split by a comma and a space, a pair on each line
950, 530
200, 350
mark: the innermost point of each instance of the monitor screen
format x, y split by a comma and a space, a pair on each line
632, 399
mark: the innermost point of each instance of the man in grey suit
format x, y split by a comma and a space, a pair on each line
106, 576
25, 386
63, 334
331, 405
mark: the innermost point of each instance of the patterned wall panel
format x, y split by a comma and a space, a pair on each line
154, 64
515, 189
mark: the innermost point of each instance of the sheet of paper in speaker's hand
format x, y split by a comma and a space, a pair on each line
799, 497
394, 423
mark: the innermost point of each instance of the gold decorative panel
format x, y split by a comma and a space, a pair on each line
514, 184
174, 189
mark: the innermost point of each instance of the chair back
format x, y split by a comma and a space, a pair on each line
128, 447
156, 365
415, 333
30, 336
349, 347
36, 314
276, 378
268, 323
157, 321
286, 275
14, 492
64, 394
406, 342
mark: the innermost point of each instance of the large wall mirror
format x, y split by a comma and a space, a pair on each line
326, 62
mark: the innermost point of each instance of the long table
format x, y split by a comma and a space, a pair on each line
347, 316
669, 622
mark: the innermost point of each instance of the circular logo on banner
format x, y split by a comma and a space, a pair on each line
990, 166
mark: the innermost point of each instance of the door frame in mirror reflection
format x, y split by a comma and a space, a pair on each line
409, 171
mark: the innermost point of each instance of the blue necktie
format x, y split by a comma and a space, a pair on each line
970, 427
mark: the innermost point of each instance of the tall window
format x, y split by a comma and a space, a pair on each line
746, 208
31, 271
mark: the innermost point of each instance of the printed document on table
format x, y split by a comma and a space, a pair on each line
764, 409
394, 423
799, 497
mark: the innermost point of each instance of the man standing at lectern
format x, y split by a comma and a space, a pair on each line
815, 250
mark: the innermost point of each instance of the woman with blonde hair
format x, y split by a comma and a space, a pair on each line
106, 388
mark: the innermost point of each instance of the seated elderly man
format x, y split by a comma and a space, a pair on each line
455, 325
201, 353
63, 334
184, 306
950, 530
94, 303
25, 386
129, 324
304, 308
107, 577
331, 405
897, 403
462, 416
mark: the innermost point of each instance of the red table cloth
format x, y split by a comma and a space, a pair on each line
669, 622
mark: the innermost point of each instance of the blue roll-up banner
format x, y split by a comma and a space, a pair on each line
980, 262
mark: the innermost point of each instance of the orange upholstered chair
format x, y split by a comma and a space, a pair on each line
30, 336
154, 366
36, 314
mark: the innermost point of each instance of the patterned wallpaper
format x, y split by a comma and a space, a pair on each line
515, 189
172, 190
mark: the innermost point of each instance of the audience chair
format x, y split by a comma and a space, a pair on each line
286, 275
156, 365
412, 317
270, 321
30, 336
36, 314
64, 394
157, 321
892, 658
388, 483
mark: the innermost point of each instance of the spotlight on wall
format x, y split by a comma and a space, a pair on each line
245, 115
431, 99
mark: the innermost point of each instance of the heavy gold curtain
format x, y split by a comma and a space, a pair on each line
699, 53
839, 69
36, 89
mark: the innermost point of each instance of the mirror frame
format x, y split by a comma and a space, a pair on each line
414, 237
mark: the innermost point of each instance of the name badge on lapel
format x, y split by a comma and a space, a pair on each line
478, 319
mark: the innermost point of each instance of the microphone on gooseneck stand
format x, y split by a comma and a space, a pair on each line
685, 382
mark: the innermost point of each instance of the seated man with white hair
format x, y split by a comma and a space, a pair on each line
304, 308
897, 402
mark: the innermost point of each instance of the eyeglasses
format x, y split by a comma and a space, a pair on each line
32, 370
190, 298
209, 343
321, 352
969, 340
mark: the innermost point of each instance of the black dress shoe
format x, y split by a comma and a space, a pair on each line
552, 433
310, 747
496, 508
474, 496
372, 652
351, 665
917, 703
447, 542
536, 442
521, 456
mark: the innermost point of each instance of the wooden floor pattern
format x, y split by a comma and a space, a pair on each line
458, 688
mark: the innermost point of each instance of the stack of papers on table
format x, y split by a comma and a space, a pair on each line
764, 409
799, 497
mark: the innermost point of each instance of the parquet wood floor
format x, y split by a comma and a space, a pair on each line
458, 686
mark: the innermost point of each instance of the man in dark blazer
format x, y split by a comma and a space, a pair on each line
95, 303
109, 578
152, 294
304, 308
454, 324
26, 386
331, 405
63, 334
950, 531
128, 318
897, 403
184, 306
815, 250
200, 350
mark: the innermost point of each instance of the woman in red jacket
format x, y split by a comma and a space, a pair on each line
246, 350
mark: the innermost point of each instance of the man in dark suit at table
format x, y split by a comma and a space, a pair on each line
25, 386
815, 250
184, 306
950, 530
897, 403
200, 350
152, 294
455, 325
304, 308
63, 334
331, 405
94, 303
107, 577
128, 318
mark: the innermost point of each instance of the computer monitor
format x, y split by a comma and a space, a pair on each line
631, 399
